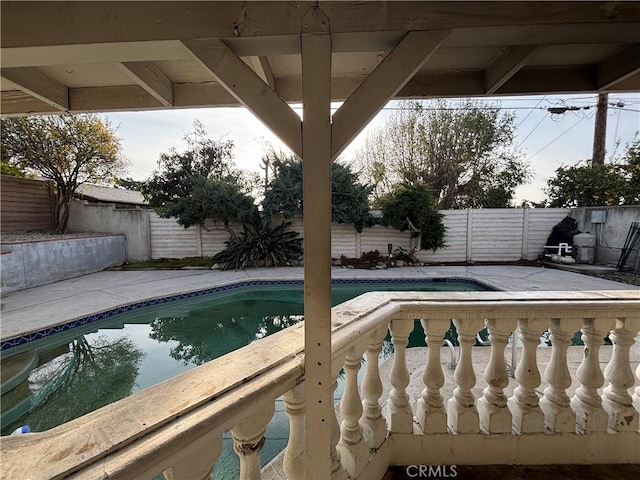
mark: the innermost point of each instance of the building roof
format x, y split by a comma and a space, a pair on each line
109, 194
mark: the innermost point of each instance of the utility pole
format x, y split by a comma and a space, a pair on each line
600, 131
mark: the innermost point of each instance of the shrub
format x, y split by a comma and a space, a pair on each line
412, 207
260, 244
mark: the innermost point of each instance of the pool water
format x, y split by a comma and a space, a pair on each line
58, 378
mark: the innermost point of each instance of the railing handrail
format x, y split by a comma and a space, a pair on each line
216, 395
164, 407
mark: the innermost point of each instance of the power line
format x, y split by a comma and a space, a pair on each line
534, 129
539, 102
566, 131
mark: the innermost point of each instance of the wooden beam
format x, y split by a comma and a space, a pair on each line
497, 36
112, 99
29, 23
315, 40
35, 83
120, 98
151, 78
395, 70
433, 85
423, 85
206, 94
245, 85
618, 68
93, 53
17, 102
262, 67
505, 66
535, 80
629, 84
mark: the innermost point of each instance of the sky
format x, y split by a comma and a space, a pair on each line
546, 140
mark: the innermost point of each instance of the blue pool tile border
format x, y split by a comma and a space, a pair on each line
49, 331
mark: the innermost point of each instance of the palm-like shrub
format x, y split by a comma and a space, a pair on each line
260, 244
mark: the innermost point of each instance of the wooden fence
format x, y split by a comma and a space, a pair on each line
27, 205
507, 234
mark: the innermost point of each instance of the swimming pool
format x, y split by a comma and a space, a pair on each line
67, 371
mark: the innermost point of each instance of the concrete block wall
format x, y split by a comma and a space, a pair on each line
472, 235
612, 233
133, 223
29, 264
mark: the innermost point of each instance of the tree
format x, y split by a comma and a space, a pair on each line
616, 182
200, 183
411, 207
129, 183
94, 373
348, 196
464, 154
67, 149
8, 168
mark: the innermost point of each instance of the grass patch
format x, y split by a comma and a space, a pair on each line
170, 263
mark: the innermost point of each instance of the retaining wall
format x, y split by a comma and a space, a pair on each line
29, 264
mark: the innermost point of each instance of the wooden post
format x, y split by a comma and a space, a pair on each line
316, 164
600, 131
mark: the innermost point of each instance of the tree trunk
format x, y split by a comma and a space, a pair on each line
62, 213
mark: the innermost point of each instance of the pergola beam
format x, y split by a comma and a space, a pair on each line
249, 89
534, 81
151, 78
393, 72
37, 84
618, 68
262, 66
506, 66
29, 23
466, 37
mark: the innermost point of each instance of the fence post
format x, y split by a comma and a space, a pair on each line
469, 234
199, 240
525, 233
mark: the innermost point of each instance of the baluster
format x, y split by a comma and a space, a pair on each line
524, 404
197, 459
337, 470
586, 403
462, 414
494, 415
354, 451
248, 440
558, 416
374, 425
636, 393
430, 407
294, 455
398, 409
616, 399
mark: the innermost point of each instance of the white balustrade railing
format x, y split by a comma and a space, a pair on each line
175, 428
